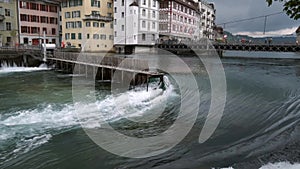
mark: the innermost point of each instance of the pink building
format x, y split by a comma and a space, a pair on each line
179, 20
35, 17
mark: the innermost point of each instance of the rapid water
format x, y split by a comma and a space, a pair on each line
40, 129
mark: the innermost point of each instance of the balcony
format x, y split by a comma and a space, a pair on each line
98, 17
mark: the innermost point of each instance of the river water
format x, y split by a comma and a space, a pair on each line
260, 124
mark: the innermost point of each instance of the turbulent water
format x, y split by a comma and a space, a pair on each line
40, 129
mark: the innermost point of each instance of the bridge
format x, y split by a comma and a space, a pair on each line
220, 47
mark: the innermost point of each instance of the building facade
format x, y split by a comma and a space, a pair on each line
8, 23
135, 23
179, 20
37, 17
88, 24
208, 17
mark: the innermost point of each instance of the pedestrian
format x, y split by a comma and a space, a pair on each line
297, 43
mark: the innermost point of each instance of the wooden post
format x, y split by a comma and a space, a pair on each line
133, 82
79, 69
94, 72
102, 78
86, 71
147, 81
111, 75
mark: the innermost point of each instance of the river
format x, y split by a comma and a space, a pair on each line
260, 124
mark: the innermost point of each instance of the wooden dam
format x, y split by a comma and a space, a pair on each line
105, 68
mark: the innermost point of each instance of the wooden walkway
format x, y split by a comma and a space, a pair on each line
149, 73
105, 68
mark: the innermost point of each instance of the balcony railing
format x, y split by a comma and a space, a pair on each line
98, 18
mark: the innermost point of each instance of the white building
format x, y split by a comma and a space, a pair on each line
135, 24
208, 17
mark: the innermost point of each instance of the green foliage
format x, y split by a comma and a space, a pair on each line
291, 7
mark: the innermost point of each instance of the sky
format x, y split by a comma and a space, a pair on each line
231, 10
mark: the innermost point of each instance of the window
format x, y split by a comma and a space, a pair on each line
111, 37
115, 21
95, 24
123, 27
144, 2
44, 7
7, 12
88, 24
88, 36
44, 19
143, 37
24, 29
64, 4
109, 5
78, 24
95, 13
53, 20
35, 30
95, 36
24, 4
67, 36
73, 36
154, 3
153, 37
153, 25
53, 31
69, 25
123, 14
95, 3
34, 18
24, 17
115, 33
153, 14
75, 3
45, 30
144, 12
103, 37
79, 36
53, 8
174, 28
123, 2
102, 25
143, 24
34, 6
115, 9
67, 15
76, 14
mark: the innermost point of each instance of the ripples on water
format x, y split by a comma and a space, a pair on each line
39, 128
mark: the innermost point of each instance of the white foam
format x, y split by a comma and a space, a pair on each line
281, 165
34, 127
14, 68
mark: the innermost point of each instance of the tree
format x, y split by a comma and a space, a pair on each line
291, 7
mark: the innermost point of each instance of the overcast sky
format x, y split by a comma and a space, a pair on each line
230, 10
